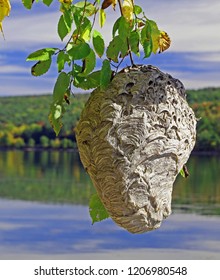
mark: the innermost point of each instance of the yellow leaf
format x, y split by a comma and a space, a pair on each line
65, 4
164, 41
127, 10
5, 8
102, 17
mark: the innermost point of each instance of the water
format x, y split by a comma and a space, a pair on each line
44, 213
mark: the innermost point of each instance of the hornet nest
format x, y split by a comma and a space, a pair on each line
133, 139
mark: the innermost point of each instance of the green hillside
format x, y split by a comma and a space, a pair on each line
206, 105
24, 120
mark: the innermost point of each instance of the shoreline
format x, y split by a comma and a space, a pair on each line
126, 254
75, 149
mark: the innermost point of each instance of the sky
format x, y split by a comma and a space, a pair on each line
193, 26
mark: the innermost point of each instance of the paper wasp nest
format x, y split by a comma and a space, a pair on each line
133, 140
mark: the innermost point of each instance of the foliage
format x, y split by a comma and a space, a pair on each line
84, 45
29, 120
206, 105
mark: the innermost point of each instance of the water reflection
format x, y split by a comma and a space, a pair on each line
201, 191
33, 227
44, 176
54, 176
40, 231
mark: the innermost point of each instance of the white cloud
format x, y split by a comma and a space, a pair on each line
17, 85
32, 31
12, 69
192, 25
210, 57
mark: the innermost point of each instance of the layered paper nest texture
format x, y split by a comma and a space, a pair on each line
133, 140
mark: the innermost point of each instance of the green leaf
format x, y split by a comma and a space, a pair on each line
145, 33
67, 16
148, 46
182, 173
41, 55
89, 82
57, 109
134, 41
27, 3
137, 9
85, 29
41, 67
80, 4
89, 64
102, 17
47, 2
77, 17
106, 74
55, 115
63, 29
146, 40
116, 46
113, 49
77, 69
124, 28
97, 210
88, 10
61, 86
98, 43
115, 27
79, 51
61, 59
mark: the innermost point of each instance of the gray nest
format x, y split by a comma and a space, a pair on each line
133, 140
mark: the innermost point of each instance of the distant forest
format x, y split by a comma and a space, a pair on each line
24, 121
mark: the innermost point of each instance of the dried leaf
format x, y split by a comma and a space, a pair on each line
164, 41
107, 3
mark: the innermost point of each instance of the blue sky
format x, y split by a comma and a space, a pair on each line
194, 56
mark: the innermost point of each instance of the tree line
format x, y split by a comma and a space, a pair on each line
24, 121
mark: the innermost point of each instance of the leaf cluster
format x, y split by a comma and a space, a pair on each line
84, 45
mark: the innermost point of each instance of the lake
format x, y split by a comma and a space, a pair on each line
44, 213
